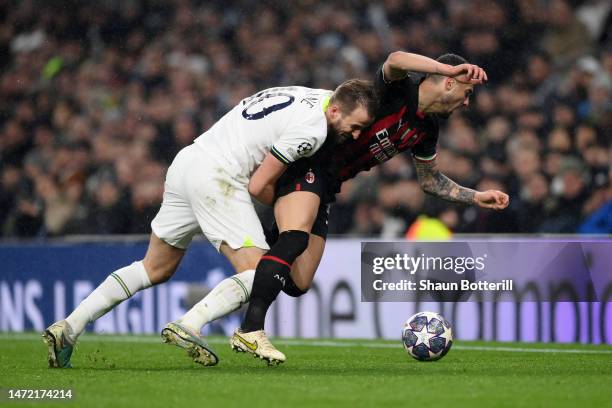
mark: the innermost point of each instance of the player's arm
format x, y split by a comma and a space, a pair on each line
434, 182
301, 140
261, 185
399, 63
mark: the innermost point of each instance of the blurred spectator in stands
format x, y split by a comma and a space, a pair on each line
97, 98
146, 199
525, 164
368, 220
570, 189
14, 143
565, 36
534, 203
27, 219
10, 185
542, 79
108, 213
598, 212
559, 141
488, 221
63, 211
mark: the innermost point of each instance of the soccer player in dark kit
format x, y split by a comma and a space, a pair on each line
407, 118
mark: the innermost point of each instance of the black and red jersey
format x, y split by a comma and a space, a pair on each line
398, 126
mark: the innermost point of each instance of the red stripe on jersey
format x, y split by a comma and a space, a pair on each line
277, 260
362, 149
298, 187
356, 166
405, 143
418, 138
384, 123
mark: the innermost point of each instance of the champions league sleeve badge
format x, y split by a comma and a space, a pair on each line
304, 148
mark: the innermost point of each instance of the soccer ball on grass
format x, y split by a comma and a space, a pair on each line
427, 336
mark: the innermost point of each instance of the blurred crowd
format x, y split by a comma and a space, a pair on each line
96, 98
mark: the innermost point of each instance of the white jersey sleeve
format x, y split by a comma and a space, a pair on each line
288, 121
300, 140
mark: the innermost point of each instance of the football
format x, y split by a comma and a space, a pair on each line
427, 336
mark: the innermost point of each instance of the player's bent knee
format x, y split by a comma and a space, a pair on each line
161, 260
158, 273
290, 244
294, 290
163, 276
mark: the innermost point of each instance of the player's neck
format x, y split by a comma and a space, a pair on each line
327, 116
428, 98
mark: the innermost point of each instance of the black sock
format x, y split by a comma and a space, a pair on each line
292, 289
271, 233
270, 276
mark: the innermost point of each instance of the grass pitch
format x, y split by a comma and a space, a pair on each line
140, 371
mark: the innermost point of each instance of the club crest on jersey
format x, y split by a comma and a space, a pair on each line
304, 148
310, 177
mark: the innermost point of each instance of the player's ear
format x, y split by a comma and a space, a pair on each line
449, 83
334, 110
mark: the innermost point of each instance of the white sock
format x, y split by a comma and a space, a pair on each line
226, 297
118, 286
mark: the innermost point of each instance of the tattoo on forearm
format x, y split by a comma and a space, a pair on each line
435, 183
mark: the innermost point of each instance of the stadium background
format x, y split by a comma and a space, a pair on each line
97, 98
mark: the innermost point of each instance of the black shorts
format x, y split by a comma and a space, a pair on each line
315, 179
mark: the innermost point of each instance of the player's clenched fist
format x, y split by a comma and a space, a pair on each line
494, 199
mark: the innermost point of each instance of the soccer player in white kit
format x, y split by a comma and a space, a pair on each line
208, 188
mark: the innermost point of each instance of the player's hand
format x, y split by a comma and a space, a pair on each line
468, 73
493, 199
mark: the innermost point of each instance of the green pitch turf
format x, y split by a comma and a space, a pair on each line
140, 371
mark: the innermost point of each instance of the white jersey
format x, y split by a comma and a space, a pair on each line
287, 121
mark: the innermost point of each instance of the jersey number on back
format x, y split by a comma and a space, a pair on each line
251, 111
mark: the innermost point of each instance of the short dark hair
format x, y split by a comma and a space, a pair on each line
449, 59
353, 93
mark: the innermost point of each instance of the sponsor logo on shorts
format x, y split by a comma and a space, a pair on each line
310, 177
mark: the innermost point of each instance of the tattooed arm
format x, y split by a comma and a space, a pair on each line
434, 182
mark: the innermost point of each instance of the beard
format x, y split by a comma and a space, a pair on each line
336, 137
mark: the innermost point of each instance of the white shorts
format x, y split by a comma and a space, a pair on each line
200, 195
